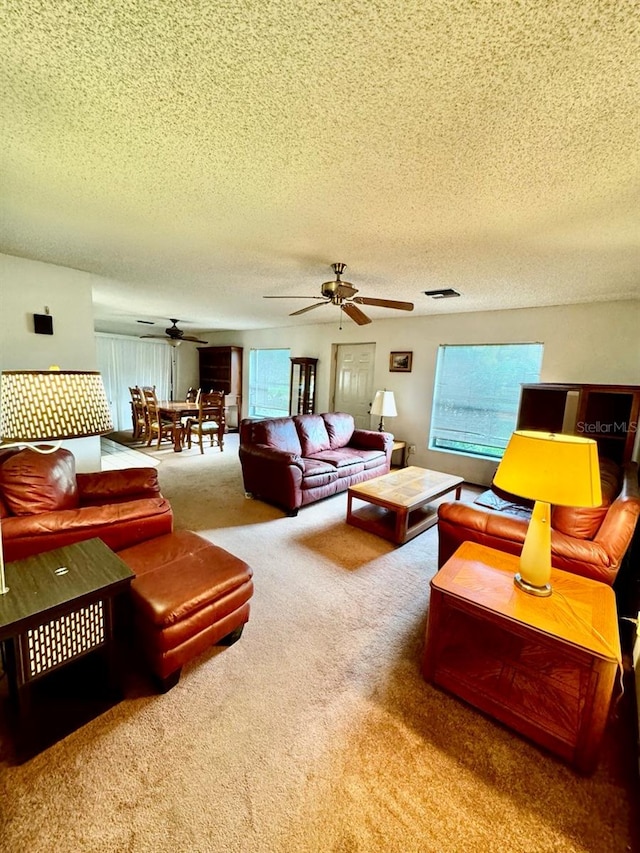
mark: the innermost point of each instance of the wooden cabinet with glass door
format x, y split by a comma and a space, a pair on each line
302, 389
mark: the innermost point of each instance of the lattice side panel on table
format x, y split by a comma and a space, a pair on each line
64, 638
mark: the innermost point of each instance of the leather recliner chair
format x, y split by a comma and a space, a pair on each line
591, 542
44, 504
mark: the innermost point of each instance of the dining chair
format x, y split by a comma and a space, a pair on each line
210, 421
156, 425
138, 414
193, 395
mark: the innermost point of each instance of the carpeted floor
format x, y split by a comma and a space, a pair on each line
315, 732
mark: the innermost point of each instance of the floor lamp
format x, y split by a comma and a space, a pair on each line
548, 469
50, 405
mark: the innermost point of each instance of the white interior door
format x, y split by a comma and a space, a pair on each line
354, 381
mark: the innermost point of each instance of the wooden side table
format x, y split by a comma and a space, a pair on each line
59, 608
545, 667
401, 448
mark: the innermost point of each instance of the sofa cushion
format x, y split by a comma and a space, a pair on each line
318, 474
33, 482
340, 426
338, 458
370, 458
312, 433
313, 467
279, 433
584, 522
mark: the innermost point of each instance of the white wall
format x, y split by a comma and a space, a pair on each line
582, 343
27, 287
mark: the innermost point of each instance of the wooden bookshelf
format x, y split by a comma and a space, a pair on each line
607, 413
221, 370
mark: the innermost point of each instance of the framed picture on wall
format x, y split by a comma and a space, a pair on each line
400, 362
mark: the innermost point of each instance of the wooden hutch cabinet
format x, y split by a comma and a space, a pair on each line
302, 388
607, 413
221, 370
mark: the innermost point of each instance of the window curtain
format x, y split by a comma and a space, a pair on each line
124, 362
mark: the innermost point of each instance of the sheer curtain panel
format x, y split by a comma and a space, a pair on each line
125, 362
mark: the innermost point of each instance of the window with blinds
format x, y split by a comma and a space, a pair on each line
476, 396
269, 383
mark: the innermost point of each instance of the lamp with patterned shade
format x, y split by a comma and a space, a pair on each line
50, 405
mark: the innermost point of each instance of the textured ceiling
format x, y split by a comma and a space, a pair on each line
200, 155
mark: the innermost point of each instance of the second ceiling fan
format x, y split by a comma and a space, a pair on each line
174, 335
343, 294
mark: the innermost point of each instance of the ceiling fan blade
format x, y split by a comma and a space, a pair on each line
293, 297
155, 337
356, 314
309, 308
192, 339
384, 303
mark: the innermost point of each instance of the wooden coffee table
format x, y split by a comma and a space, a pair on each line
398, 503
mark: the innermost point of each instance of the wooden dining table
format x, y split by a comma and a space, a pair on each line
175, 410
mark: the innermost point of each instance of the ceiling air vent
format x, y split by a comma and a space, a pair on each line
444, 293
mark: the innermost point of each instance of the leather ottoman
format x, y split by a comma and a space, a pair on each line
187, 595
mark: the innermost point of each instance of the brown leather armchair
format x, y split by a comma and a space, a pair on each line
586, 541
45, 505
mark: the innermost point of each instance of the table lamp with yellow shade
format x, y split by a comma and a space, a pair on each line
547, 468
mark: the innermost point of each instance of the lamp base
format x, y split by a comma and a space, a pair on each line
532, 589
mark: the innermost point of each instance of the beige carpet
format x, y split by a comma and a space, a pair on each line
315, 732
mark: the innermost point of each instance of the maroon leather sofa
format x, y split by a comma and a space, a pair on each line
591, 542
44, 504
292, 462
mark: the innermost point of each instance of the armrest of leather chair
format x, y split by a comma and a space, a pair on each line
115, 486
